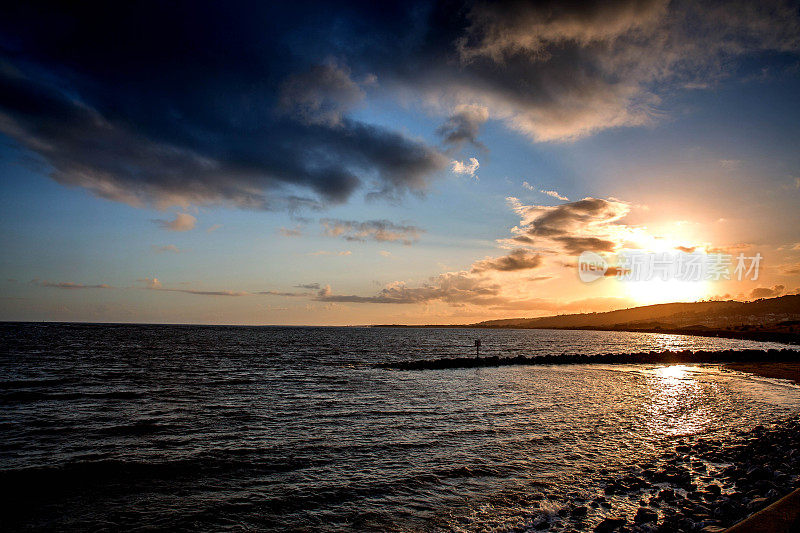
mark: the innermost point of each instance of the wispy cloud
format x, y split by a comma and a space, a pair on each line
154, 284
328, 252
68, 285
791, 269
767, 292
181, 222
468, 168
551, 193
474, 286
555, 195
297, 231
371, 230
168, 248
285, 294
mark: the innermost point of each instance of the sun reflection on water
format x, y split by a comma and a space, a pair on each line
677, 403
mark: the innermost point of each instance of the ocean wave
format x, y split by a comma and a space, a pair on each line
37, 396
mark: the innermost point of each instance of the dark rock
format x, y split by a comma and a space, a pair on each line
645, 515
758, 473
580, 511
757, 503
611, 523
666, 495
544, 524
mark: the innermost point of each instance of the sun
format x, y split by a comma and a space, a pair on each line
658, 291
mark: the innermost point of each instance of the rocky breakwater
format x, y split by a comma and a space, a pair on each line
666, 357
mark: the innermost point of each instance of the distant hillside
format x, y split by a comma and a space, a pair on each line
771, 312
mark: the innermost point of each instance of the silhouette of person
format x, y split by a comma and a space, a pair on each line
477, 347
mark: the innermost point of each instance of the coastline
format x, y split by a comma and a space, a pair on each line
700, 484
750, 483
762, 335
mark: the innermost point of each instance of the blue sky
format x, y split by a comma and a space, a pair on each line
318, 186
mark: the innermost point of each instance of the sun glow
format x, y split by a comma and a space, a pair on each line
656, 291
676, 405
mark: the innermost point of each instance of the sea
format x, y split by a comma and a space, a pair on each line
137, 427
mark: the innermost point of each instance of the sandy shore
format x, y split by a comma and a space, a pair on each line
769, 370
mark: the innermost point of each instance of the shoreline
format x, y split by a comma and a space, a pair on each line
748, 483
754, 335
698, 484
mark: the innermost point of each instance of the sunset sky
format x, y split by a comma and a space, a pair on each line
239, 163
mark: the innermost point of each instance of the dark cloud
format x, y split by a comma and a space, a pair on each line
214, 105
240, 103
577, 245
560, 71
588, 225
565, 218
516, 260
321, 95
373, 230
464, 125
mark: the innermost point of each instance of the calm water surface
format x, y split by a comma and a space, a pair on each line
140, 427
